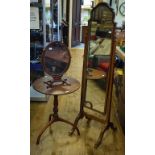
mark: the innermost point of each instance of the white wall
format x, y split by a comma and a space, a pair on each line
87, 2
118, 18
85, 14
64, 9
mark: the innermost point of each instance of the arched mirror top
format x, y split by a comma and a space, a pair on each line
102, 13
56, 59
101, 25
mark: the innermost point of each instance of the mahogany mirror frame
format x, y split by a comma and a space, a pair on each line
56, 77
109, 87
109, 76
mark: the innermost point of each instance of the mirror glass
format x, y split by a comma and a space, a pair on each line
98, 60
56, 59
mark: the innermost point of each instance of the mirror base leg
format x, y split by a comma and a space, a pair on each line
109, 125
79, 116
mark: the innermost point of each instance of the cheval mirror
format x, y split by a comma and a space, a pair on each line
98, 68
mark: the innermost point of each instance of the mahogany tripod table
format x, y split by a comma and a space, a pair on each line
70, 86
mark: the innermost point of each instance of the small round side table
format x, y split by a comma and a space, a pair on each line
70, 86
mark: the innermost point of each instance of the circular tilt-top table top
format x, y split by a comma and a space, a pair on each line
70, 86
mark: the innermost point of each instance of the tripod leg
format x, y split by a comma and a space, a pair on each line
43, 130
100, 137
49, 119
80, 115
109, 125
65, 121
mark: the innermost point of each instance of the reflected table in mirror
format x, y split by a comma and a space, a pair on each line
95, 74
69, 86
92, 76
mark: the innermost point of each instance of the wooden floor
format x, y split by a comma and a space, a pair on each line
56, 141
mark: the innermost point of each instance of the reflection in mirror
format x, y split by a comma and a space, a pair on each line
56, 59
99, 50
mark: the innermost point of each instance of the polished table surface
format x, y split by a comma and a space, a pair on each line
62, 89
